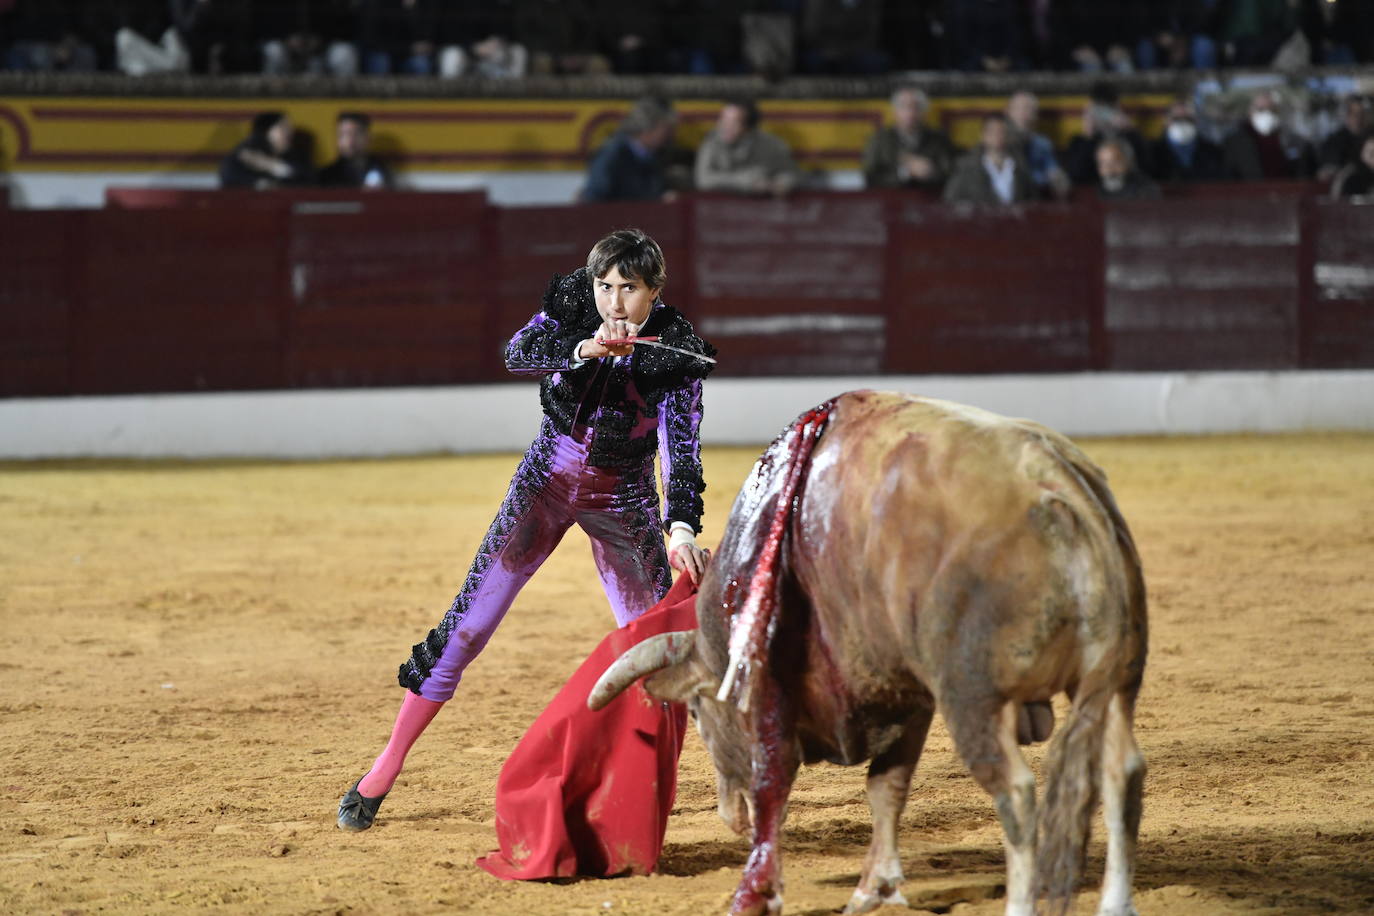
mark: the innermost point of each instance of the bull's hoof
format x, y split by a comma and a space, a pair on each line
756, 903
1127, 910
867, 901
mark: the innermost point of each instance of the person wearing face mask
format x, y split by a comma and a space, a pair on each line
1261, 149
1181, 153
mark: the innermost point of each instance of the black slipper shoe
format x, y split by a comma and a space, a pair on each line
357, 811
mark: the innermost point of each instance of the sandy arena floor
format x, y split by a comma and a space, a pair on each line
198, 659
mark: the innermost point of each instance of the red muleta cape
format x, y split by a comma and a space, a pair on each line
588, 793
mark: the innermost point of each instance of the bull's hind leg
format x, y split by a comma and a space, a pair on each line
1123, 780
889, 783
984, 732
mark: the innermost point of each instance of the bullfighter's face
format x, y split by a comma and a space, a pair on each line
621, 298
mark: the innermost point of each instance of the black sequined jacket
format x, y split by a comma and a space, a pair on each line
623, 401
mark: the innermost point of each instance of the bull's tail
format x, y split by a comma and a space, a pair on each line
752, 631
1073, 770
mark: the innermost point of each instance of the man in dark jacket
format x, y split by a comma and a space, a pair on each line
355, 167
1117, 175
1261, 149
628, 166
271, 157
1181, 153
991, 173
1342, 146
908, 154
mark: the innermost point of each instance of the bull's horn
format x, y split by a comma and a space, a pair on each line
653, 654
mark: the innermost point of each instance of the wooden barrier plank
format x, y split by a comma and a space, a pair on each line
180, 300
384, 296
792, 287
209, 290
1340, 314
993, 289
35, 301
1203, 283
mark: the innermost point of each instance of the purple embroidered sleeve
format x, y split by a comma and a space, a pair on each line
679, 452
540, 347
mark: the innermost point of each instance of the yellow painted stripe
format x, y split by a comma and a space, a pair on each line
191, 135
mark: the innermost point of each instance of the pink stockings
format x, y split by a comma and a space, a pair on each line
416, 713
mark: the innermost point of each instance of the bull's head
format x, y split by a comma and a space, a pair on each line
681, 673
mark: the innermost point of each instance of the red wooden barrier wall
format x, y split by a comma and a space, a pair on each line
189, 291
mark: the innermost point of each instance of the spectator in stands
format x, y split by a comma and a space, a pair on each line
476, 40
339, 23
630, 34
739, 156
149, 40
47, 35
285, 39
1181, 153
398, 36
987, 35
1102, 118
628, 166
909, 154
1099, 36
1117, 175
270, 157
768, 38
707, 37
355, 166
1262, 148
560, 36
218, 34
913, 34
1339, 31
1252, 31
1342, 146
306, 36
991, 173
1175, 34
841, 36
1357, 178
1023, 116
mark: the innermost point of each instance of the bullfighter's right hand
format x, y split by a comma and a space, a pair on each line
614, 329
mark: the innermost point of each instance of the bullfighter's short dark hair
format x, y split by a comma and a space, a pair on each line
631, 252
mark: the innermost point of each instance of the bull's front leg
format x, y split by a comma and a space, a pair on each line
775, 757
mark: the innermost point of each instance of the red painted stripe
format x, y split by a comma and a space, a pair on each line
145, 114
21, 131
501, 115
126, 157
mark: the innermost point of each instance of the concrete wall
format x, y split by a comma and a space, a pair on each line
487, 418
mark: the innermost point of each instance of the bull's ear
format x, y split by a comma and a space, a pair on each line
680, 683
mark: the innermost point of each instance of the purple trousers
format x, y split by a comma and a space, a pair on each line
553, 488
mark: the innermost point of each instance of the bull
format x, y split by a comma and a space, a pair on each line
890, 556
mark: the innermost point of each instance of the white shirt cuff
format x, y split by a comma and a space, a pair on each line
680, 533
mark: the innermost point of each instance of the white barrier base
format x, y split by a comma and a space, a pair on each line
487, 418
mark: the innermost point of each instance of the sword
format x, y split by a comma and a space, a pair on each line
652, 342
